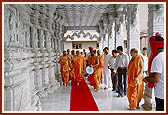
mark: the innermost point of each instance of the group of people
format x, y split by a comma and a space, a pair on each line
72, 67
126, 77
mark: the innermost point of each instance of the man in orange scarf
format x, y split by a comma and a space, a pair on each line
93, 61
135, 80
79, 65
100, 67
64, 68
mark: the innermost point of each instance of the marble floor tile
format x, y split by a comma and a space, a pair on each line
106, 100
58, 101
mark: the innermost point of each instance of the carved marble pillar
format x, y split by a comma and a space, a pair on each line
34, 38
100, 31
111, 32
27, 36
57, 56
106, 31
41, 39
119, 30
133, 34
155, 24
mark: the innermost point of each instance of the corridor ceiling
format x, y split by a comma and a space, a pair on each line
82, 14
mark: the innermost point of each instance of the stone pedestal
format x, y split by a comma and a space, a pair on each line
147, 98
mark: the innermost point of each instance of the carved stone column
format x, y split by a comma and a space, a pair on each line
133, 34
119, 29
155, 24
106, 30
101, 34
111, 32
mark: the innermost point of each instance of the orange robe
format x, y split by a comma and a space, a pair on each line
100, 68
71, 71
93, 78
64, 69
79, 65
135, 90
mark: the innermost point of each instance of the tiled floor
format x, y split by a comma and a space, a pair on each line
105, 99
58, 101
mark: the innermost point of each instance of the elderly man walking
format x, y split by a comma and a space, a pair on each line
135, 80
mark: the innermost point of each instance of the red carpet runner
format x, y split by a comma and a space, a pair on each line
82, 99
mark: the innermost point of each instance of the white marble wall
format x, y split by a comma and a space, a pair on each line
31, 69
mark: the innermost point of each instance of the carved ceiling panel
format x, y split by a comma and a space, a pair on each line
82, 14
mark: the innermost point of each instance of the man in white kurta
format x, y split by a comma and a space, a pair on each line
145, 58
107, 71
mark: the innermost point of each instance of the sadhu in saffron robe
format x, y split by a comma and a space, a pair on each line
93, 78
71, 65
100, 68
64, 69
135, 90
79, 64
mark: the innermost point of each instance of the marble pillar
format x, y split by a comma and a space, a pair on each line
119, 40
111, 33
105, 30
133, 34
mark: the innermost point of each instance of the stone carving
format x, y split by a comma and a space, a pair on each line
34, 35
159, 16
26, 68
41, 38
21, 34
13, 25
34, 16
42, 18
27, 36
81, 33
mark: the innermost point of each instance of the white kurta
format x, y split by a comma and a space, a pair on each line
107, 72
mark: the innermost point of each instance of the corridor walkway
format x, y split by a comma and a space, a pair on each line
106, 100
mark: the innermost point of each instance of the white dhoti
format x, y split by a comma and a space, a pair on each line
107, 78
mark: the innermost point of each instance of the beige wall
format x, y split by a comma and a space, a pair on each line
85, 45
